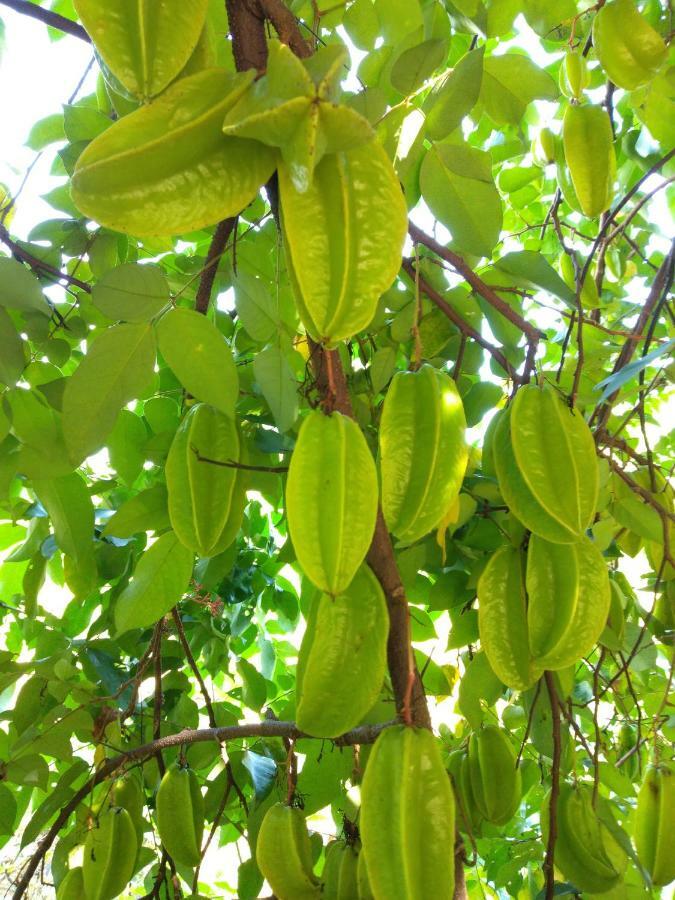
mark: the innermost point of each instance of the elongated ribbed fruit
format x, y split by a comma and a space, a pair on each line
569, 597
342, 658
72, 885
585, 852
340, 872
203, 502
331, 499
343, 238
109, 855
363, 880
408, 817
629, 49
284, 856
589, 153
555, 453
423, 454
128, 793
467, 813
654, 829
502, 620
180, 815
496, 783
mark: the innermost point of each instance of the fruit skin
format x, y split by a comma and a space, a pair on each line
574, 74
284, 856
555, 453
109, 856
343, 238
423, 453
569, 595
72, 885
128, 793
363, 880
340, 872
502, 620
167, 168
654, 829
629, 49
468, 817
589, 153
408, 817
179, 807
496, 783
203, 500
586, 853
343, 657
331, 499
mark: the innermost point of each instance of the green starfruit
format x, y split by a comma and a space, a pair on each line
629, 49
590, 158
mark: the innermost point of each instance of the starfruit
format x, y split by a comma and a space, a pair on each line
343, 239
569, 598
629, 49
363, 879
423, 453
654, 828
168, 168
72, 885
340, 872
574, 74
109, 855
144, 44
331, 499
544, 147
547, 465
293, 107
590, 158
179, 807
342, 659
496, 784
204, 499
468, 816
589, 292
408, 817
502, 620
585, 851
284, 856
127, 793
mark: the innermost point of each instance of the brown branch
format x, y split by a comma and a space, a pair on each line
364, 734
52, 19
461, 323
286, 26
549, 861
661, 284
638, 489
231, 464
157, 704
38, 265
216, 249
480, 287
247, 27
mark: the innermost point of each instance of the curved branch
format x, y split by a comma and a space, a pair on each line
54, 20
216, 249
365, 734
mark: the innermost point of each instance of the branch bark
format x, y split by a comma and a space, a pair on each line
549, 861
54, 20
216, 249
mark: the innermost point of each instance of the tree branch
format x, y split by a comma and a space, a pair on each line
461, 323
54, 20
286, 26
216, 249
364, 734
488, 294
39, 266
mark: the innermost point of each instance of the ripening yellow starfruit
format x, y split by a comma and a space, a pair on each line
654, 829
589, 153
180, 814
629, 49
284, 855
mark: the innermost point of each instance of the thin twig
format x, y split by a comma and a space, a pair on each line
52, 19
549, 861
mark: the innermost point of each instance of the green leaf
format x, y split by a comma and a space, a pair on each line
510, 83
7, 810
146, 511
255, 686
278, 384
160, 579
19, 288
117, 368
456, 96
126, 446
70, 508
457, 184
131, 292
532, 269
12, 351
46, 131
83, 123
200, 358
382, 367
256, 307
626, 373
415, 65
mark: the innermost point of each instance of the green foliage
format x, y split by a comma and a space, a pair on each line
157, 578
